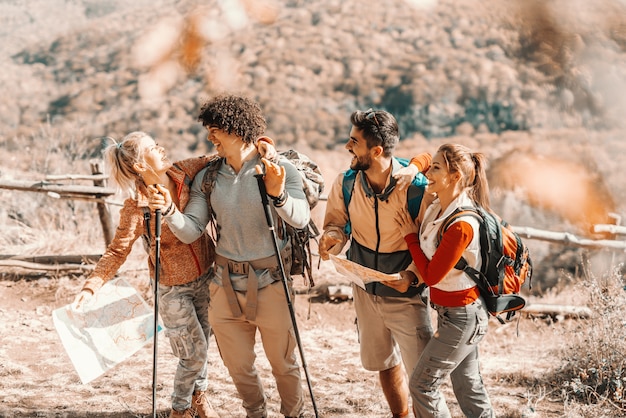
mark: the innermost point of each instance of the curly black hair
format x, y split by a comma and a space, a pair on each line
235, 115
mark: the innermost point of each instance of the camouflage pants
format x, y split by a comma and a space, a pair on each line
184, 310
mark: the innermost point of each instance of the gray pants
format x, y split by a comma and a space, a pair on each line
184, 310
453, 351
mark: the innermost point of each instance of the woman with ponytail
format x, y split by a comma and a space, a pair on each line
456, 178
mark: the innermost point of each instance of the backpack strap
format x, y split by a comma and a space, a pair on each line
476, 275
414, 194
208, 183
347, 187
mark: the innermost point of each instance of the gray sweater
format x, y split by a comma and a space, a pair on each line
243, 231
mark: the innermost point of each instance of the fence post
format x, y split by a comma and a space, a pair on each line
103, 210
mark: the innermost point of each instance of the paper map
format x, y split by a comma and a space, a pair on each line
108, 329
359, 274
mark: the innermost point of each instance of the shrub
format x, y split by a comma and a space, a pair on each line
594, 363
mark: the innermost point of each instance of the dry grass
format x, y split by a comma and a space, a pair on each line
593, 374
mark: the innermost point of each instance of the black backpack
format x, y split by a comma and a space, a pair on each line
312, 185
506, 263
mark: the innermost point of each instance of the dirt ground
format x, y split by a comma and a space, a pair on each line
37, 378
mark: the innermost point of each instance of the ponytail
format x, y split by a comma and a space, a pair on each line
479, 191
121, 158
471, 166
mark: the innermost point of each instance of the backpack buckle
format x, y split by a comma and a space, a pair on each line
238, 267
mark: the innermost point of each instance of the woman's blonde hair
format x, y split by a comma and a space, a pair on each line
471, 166
121, 158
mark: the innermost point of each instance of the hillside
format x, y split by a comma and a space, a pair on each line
442, 67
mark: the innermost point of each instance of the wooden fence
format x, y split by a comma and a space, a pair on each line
99, 192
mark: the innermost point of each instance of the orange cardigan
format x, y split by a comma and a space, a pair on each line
453, 243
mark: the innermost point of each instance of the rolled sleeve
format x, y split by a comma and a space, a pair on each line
295, 211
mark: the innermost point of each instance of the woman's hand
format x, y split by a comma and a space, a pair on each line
274, 177
81, 299
405, 176
406, 224
267, 150
159, 197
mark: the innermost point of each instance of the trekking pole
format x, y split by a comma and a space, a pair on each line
157, 261
270, 224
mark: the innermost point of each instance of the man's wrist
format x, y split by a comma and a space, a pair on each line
170, 210
415, 282
279, 200
408, 274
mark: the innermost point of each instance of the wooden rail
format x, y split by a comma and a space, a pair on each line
567, 238
98, 192
67, 191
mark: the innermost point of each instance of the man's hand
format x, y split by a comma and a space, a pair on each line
274, 177
401, 285
159, 197
326, 244
404, 282
405, 176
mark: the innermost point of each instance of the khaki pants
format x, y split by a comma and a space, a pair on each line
236, 337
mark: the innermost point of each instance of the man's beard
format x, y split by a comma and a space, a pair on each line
361, 163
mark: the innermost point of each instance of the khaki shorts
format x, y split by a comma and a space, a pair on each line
391, 329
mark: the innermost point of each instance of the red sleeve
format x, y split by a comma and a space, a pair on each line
422, 161
453, 243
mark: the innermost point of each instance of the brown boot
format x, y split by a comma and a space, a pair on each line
200, 403
187, 413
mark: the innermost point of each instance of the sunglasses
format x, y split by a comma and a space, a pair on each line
370, 114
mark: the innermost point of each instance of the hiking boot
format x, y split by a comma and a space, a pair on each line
187, 413
200, 404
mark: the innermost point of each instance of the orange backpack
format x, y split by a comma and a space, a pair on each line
506, 263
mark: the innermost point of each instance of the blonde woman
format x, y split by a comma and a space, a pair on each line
136, 162
457, 178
